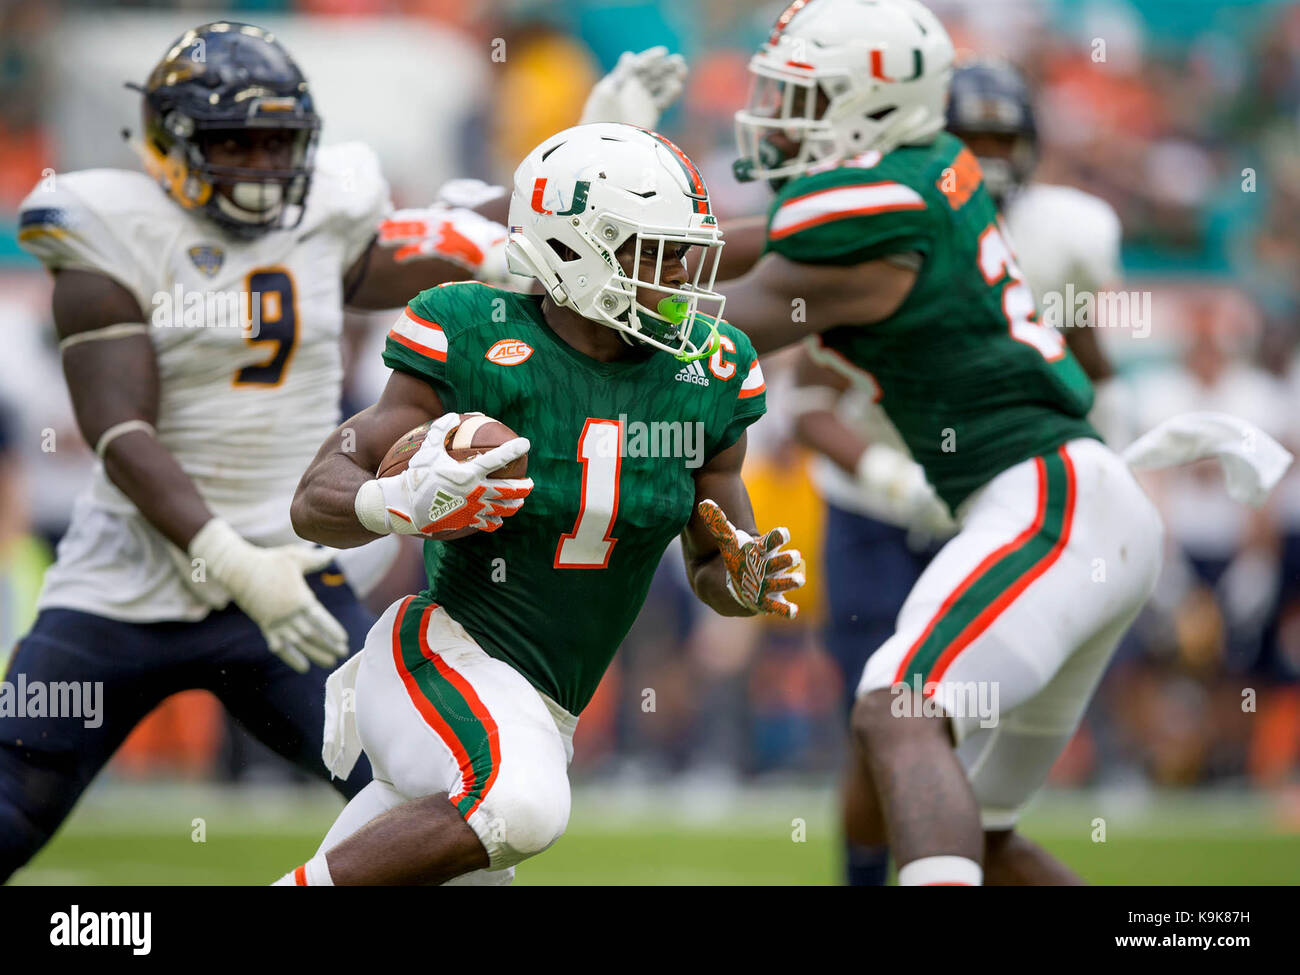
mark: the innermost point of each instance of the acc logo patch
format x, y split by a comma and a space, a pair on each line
508, 352
208, 258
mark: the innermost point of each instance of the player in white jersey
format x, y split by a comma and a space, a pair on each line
199, 311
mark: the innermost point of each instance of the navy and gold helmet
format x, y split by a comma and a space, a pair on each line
230, 128
989, 106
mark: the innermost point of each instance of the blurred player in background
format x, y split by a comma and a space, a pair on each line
882, 514
467, 695
199, 311
884, 240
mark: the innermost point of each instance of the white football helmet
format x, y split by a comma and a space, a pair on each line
837, 78
585, 192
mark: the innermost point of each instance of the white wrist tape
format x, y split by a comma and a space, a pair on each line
468, 193
372, 508
117, 430
213, 541
119, 331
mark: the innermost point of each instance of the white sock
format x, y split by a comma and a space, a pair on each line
314, 873
941, 872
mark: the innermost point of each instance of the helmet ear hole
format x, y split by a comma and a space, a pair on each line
562, 250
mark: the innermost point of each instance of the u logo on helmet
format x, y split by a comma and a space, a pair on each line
580, 189
878, 66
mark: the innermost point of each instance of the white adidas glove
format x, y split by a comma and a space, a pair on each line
436, 493
638, 90
759, 573
891, 476
268, 585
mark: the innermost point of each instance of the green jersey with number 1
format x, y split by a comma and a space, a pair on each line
971, 379
614, 451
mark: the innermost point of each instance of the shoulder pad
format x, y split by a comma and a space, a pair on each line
105, 220
350, 194
847, 216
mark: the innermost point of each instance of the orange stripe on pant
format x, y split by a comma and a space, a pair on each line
990, 613
476, 707
434, 719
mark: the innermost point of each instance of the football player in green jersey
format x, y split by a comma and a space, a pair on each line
632, 397
884, 242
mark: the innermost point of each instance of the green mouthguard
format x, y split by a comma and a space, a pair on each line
673, 309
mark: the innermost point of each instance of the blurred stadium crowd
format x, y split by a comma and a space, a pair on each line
1183, 114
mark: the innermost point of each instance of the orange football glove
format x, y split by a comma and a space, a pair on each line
759, 573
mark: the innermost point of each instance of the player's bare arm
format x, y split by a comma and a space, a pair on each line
415, 250
731, 569
379, 279
1086, 346
113, 380
883, 471
112, 375
816, 424
746, 237
341, 502
781, 301
719, 480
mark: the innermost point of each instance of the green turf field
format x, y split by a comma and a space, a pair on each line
669, 835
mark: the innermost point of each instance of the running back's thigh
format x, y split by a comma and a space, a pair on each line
438, 715
1051, 552
1012, 625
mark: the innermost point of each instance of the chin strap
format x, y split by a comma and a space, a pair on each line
715, 340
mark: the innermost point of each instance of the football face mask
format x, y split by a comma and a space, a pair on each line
256, 173
783, 130
666, 279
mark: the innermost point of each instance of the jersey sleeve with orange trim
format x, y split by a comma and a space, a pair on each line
421, 341
848, 216
736, 363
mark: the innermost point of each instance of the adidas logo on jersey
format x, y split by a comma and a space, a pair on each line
692, 372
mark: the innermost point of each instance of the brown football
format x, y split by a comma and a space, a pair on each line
475, 434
